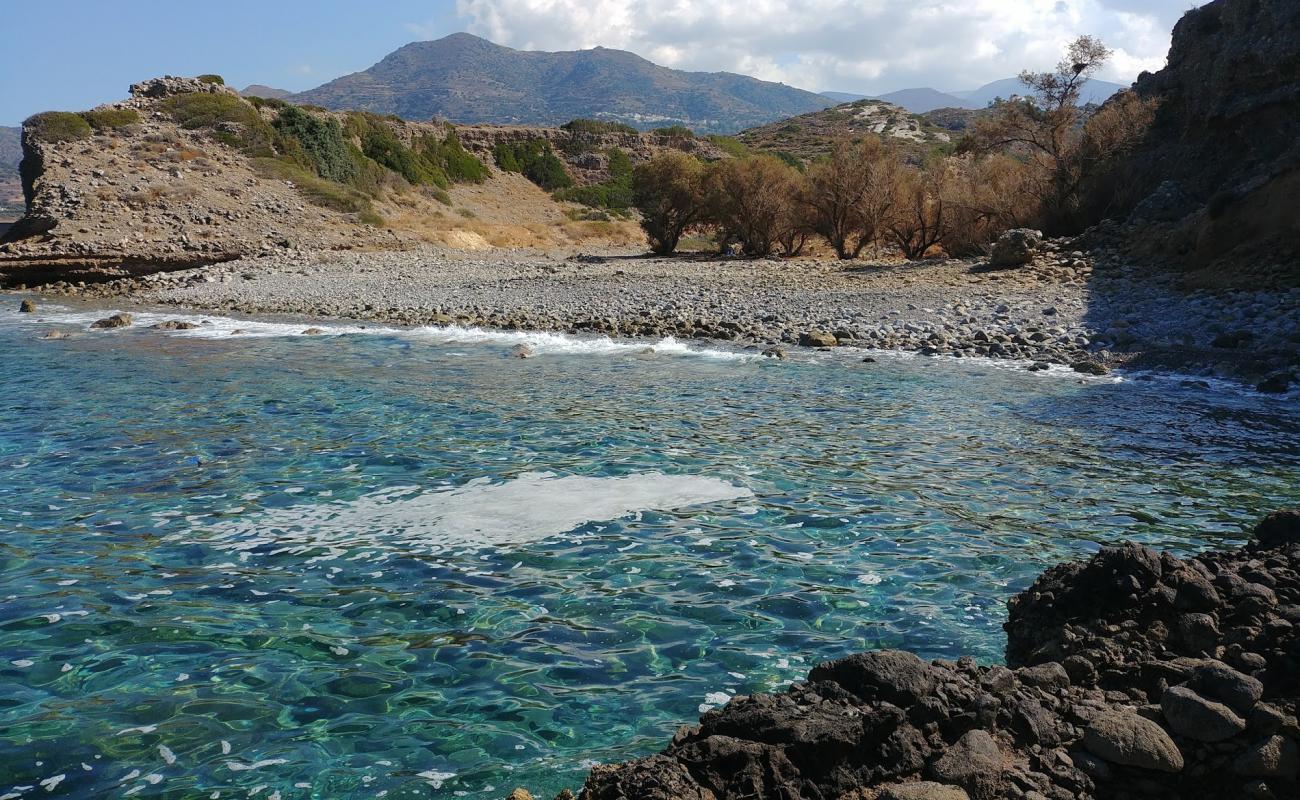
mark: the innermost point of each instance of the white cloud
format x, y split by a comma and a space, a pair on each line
853, 45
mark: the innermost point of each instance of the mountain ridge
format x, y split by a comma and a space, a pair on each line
466, 79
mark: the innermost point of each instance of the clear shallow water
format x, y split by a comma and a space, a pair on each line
406, 563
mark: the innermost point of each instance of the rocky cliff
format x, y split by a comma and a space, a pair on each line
132, 184
1214, 181
1131, 675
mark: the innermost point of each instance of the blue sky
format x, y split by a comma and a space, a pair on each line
75, 54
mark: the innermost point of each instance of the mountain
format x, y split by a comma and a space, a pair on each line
919, 101
268, 92
11, 149
11, 152
463, 78
1094, 91
845, 97
809, 136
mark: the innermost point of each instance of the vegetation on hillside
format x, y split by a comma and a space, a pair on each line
1035, 161
612, 194
597, 127
339, 165
535, 160
57, 126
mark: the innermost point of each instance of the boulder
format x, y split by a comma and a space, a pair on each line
174, 325
817, 339
27, 307
1220, 682
1046, 676
1279, 529
1015, 247
922, 790
974, 762
1195, 717
1275, 757
122, 320
1279, 383
1089, 368
892, 675
1122, 737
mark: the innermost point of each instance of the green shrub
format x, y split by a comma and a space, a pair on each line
202, 110
730, 145
266, 102
320, 140
326, 194
504, 156
674, 132
614, 194
446, 157
596, 126
57, 126
535, 159
110, 118
212, 79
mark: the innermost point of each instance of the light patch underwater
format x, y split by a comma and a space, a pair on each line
481, 514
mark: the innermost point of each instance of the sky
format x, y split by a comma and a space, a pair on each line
75, 54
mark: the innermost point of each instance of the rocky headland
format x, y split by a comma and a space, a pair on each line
1134, 674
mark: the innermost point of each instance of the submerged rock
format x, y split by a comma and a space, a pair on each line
817, 339
1089, 368
122, 320
174, 325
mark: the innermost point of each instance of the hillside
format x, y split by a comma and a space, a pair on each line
267, 92
465, 79
809, 136
1094, 92
185, 173
919, 101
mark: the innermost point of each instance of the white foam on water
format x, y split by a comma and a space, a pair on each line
480, 514
228, 328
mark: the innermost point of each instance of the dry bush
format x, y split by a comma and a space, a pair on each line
917, 221
1043, 128
981, 198
849, 196
753, 201
1109, 137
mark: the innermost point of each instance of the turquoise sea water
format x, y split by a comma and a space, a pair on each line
405, 564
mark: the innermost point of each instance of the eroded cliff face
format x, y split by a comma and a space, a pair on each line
1220, 167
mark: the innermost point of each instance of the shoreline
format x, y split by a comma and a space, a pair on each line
1129, 674
1063, 309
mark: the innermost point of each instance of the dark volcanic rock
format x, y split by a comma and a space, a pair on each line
1133, 674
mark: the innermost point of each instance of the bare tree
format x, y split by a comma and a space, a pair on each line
917, 222
850, 195
1044, 127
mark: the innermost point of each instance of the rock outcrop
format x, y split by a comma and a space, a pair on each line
1220, 166
1134, 674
